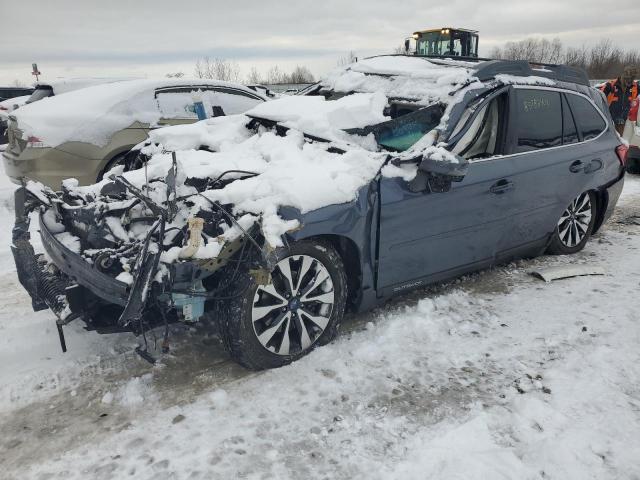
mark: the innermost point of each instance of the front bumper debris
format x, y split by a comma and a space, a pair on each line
73, 286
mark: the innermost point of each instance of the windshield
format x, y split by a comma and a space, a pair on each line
404, 131
40, 93
454, 43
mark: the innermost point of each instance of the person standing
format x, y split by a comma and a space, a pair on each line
621, 94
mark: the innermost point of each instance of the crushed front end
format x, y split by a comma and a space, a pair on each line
130, 259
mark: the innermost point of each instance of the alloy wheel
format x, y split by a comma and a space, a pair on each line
293, 311
574, 222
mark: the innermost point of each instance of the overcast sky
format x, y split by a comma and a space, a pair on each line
150, 38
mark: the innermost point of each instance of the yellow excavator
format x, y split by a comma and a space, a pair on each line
443, 42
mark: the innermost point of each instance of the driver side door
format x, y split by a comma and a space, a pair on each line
426, 236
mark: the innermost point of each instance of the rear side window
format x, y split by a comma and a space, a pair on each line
538, 120
569, 129
590, 122
234, 102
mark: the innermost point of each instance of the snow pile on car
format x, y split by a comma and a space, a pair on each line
262, 170
94, 114
294, 152
412, 78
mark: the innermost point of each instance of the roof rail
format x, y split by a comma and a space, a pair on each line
522, 68
488, 68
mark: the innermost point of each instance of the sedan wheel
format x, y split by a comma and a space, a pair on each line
574, 226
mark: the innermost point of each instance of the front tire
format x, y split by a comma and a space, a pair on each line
268, 326
574, 226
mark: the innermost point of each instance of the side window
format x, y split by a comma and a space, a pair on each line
538, 120
482, 139
176, 104
234, 102
569, 130
590, 122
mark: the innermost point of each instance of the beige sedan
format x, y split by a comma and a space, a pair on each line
85, 133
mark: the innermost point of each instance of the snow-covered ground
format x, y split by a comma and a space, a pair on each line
497, 375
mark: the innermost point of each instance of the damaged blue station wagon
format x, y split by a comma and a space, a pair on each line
390, 174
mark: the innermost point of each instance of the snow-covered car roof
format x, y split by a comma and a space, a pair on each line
402, 77
64, 85
95, 113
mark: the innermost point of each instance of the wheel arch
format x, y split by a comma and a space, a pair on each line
106, 164
351, 257
602, 201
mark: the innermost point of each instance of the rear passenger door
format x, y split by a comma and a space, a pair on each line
551, 160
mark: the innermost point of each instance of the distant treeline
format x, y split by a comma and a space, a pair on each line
603, 60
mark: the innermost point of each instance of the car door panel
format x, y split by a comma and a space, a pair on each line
422, 234
549, 178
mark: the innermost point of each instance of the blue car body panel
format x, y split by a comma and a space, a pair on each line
505, 207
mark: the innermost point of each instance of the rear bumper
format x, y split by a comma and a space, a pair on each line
613, 191
48, 166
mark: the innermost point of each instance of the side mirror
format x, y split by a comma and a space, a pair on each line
438, 175
454, 170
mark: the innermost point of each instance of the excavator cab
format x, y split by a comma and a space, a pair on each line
443, 42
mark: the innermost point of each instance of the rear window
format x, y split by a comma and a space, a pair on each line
569, 129
590, 122
538, 120
40, 93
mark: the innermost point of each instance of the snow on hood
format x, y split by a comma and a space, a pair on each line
94, 114
291, 171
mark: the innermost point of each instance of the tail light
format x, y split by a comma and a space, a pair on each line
621, 151
633, 113
35, 142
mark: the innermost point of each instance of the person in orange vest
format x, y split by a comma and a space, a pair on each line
621, 94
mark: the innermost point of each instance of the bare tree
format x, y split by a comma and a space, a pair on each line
348, 59
275, 76
19, 83
254, 77
301, 75
217, 69
604, 60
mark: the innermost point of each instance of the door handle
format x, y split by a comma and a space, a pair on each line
577, 166
502, 186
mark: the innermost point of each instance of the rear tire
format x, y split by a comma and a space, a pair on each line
129, 160
274, 325
575, 226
